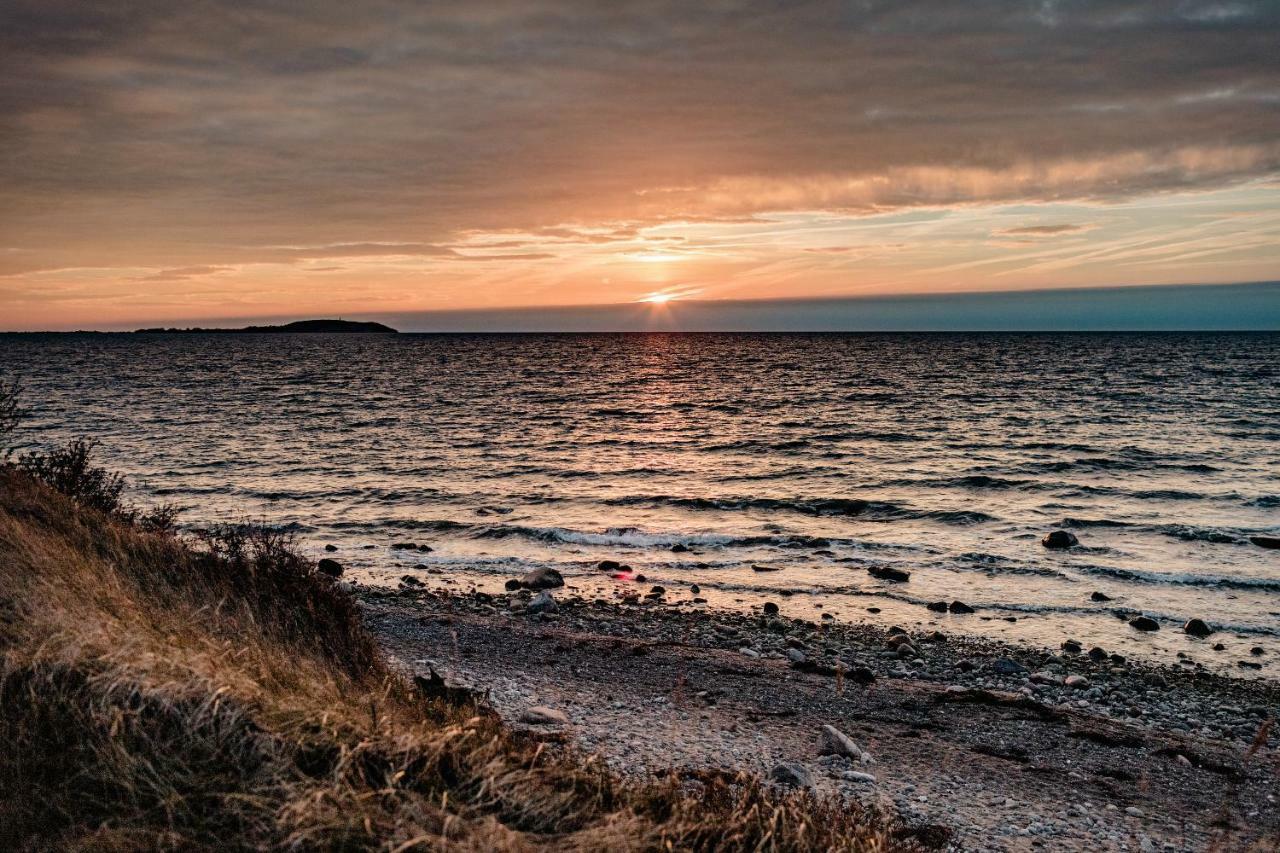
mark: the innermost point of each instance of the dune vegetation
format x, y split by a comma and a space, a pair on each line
177, 691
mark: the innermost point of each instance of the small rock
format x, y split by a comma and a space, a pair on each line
332, 568
679, 548
858, 776
1197, 628
1099, 596
770, 609
1006, 666
791, 775
1072, 647
756, 568
795, 656
694, 589
959, 607
1097, 653
512, 584
608, 565
832, 741
1266, 541
543, 602
1144, 623
544, 578
1059, 539
1257, 650
331, 548
541, 715
1077, 682
938, 606
886, 573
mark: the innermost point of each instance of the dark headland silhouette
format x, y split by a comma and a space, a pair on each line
327, 326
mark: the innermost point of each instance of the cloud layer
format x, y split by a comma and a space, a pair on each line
160, 137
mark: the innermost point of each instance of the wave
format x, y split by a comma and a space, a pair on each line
873, 510
633, 537
1183, 579
1191, 533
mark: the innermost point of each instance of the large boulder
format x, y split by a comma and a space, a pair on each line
1059, 539
544, 578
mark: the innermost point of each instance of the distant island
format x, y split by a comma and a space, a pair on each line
313, 326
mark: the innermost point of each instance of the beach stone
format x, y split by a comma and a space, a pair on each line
1197, 628
511, 584
541, 715
791, 775
1144, 623
1266, 541
770, 609
332, 568
1072, 647
695, 589
959, 607
1097, 653
543, 602
679, 548
1077, 682
938, 606
1059, 539
608, 565
832, 741
331, 548
756, 568
858, 776
1006, 666
544, 578
886, 573
1099, 596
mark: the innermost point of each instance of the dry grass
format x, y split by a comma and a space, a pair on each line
156, 694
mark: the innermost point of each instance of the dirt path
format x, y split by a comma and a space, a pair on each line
1002, 770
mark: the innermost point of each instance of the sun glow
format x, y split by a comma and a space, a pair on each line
658, 298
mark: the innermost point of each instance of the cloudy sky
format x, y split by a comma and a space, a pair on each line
226, 159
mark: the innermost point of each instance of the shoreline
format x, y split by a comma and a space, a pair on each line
988, 740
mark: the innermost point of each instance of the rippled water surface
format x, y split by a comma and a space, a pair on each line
819, 456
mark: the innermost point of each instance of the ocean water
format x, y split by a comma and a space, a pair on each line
818, 456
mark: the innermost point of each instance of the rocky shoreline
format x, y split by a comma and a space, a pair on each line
997, 746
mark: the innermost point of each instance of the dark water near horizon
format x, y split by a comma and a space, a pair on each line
819, 455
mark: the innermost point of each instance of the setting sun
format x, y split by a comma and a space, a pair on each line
658, 297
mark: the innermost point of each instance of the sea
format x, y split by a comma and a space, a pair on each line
757, 468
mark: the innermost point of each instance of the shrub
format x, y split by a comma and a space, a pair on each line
11, 414
68, 470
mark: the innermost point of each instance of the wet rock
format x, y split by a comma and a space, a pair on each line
770, 609
512, 584
938, 606
331, 548
1144, 623
1219, 647
332, 568
756, 568
1097, 653
679, 548
832, 741
541, 715
1257, 651
543, 602
608, 565
1272, 542
695, 589
1072, 647
795, 656
658, 590
1197, 628
886, 573
411, 546
862, 675
1099, 596
544, 578
410, 580
791, 775
959, 607
1077, 682
1059, 539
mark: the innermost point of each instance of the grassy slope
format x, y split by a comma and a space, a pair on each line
152, 697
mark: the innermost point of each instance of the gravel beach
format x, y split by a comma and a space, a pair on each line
989, 746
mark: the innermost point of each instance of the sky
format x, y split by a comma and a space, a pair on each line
228, 160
